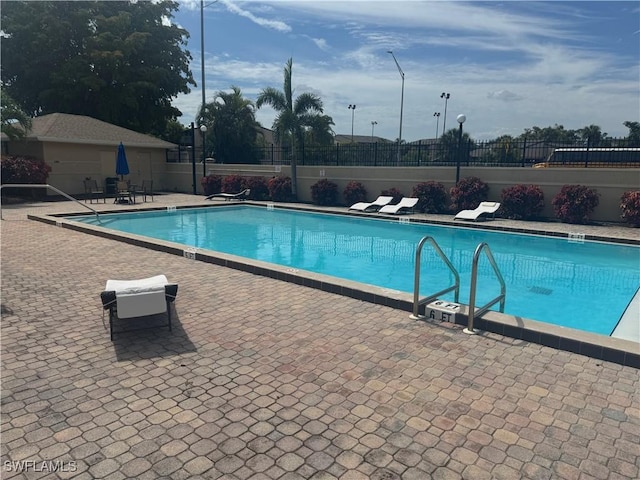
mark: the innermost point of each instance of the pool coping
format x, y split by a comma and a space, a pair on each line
616, 350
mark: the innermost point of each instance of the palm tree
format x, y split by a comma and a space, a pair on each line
231, 123
293, 116
319, 131
15, 122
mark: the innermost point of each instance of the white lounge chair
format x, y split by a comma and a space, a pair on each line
243, 195
138, 298
485, 208
405, 205
374, 206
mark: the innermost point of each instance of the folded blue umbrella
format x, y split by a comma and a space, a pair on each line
122, 167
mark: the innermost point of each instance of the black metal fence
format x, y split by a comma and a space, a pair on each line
520, 153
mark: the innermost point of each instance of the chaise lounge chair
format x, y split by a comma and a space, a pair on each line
243, 195
405, 205
374, 206
484, 208
138, 298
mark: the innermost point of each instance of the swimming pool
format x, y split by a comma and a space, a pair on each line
585, 285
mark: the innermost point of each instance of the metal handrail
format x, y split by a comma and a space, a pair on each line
45, 185
474, 279
416, 283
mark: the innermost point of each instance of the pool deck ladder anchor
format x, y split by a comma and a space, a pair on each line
417, 301
473, 313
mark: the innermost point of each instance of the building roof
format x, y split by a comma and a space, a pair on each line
68, 128
341, 138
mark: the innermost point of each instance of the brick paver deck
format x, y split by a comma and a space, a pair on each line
262, 379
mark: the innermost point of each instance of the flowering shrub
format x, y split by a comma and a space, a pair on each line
393, 192
280, 189
211, 184
233, 184
324, 192
468, 193
23, 169
575, 203
258, 186
630, 207
432, 195
522, 202
354, 192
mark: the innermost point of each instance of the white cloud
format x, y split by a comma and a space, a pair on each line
263, 22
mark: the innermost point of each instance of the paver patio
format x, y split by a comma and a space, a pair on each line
263, 379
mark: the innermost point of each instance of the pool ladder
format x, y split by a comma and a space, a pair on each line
473, 313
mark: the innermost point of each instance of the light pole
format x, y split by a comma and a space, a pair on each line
461, 118
353, 111
401, 103
203, 131
437, 114
202, 5
444, 120
373, 124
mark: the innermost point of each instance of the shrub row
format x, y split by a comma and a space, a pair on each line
573, 204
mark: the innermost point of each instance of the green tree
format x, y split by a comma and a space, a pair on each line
231, 123
593, 135
293, 116
15, 122
633, 139
555, 134
449, 145
504, 149
120, 62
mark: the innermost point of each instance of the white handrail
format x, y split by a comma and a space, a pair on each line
45, 185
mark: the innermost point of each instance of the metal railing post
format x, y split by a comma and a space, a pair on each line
416, 280
474, 280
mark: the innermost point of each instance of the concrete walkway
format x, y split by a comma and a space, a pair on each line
262, 379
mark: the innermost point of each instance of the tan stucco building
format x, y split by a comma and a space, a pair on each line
77, 147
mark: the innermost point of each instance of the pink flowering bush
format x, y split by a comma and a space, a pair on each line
324, 192
521, 202
233, 184
630, 207
432, 197
211, 184
23, 169
575, 203
354, 192
468, 193
258, 186
280, 189
393, 192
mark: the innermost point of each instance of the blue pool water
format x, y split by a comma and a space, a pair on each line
586, 286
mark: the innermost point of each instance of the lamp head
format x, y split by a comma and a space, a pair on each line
203, 128
461, 118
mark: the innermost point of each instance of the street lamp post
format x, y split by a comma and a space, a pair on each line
437, 115
203, 131
461, 119
353, 111
202, 6
444, 120
373, 124
401, 103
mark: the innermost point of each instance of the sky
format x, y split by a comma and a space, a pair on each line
506, 66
